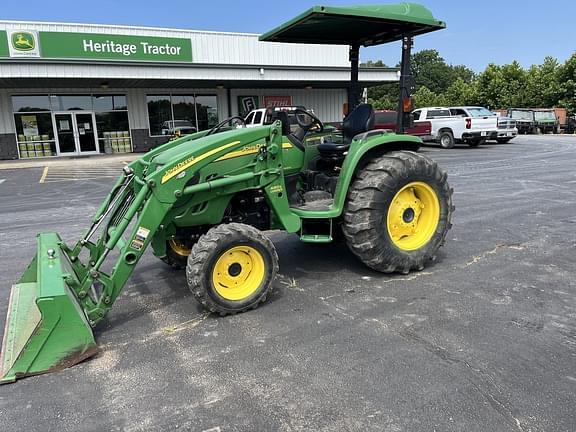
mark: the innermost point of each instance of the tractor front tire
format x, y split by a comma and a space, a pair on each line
398, 212
231, 268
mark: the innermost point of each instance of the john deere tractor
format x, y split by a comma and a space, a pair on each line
203, 201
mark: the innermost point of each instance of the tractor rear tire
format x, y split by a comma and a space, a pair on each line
177, 252
398, 212
231, 268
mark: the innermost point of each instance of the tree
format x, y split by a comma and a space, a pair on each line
425, 97
543, 87
460, 92
501, 86
567, 84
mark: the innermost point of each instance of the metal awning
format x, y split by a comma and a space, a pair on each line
364, 25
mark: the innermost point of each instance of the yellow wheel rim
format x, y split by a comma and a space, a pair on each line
179, 248
238, 273
413, 216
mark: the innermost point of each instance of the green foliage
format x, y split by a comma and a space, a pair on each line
497, 87
567, 84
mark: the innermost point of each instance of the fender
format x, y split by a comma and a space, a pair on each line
362, 149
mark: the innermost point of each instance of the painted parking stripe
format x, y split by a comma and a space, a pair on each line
44, 174
2, 181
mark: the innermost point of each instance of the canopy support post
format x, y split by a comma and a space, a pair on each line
354, 87
407, 86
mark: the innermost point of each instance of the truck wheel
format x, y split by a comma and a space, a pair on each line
177, 251
446, 139
231, 268
398, 212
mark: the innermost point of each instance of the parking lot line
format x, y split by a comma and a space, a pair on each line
44, 174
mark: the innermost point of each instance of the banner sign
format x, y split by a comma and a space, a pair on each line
277, 101
247, 104
94, 46
3, 44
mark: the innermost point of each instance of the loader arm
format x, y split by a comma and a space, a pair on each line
67, 290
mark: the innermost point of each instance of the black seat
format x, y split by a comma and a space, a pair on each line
358, 121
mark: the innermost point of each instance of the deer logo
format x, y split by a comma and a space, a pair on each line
23, 41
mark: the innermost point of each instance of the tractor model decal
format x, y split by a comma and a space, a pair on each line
181, 166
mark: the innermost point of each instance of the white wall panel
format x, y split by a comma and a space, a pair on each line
214, 47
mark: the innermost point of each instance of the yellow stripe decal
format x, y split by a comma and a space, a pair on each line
247, 151
178, 168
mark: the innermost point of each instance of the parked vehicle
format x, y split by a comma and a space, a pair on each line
506, 130
546, 120
178, 127
386, 119
470, 125
524, 117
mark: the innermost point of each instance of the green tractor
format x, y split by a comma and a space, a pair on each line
203, 201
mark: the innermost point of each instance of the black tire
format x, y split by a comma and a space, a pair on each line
446, 139
177, 251
503, 140
208, 252
368, 210
476, 142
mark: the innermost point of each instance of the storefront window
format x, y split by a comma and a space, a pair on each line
109, 103
168, 112
159, 112
207, 108
71, 102
36, 121
35, 135
31, 103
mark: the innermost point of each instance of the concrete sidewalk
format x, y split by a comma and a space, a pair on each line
104, 159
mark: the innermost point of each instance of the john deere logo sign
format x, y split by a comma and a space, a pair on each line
23, 41
23, 44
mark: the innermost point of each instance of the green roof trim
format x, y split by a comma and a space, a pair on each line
365, 25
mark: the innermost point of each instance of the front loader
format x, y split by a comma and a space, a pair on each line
202, 201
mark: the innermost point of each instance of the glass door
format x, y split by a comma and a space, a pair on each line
65, 136
87, 139
76, 132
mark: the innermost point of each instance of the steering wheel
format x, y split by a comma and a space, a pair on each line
304, 125
220, 125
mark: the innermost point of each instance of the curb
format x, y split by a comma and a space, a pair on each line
69, 160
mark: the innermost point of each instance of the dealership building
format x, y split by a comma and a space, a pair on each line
79, 89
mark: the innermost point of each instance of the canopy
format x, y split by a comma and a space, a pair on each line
362, 25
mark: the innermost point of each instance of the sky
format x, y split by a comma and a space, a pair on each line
477, 33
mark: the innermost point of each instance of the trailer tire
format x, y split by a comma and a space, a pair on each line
398, 212
231, 268
446, 139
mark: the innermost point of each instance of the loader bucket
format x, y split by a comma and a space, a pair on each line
46, 328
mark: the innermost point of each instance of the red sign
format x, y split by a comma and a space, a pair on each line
277, 101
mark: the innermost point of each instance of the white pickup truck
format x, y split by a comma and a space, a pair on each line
470, 125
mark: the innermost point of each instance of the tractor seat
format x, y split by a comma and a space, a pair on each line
358, 121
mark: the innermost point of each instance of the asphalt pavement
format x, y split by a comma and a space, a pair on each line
483, 339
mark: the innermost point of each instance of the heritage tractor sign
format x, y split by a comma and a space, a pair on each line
94, 46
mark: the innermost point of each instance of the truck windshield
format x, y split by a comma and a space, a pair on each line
521, 115
544, 115
479, 112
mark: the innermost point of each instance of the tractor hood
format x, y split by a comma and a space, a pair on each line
206, 146
363, 25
